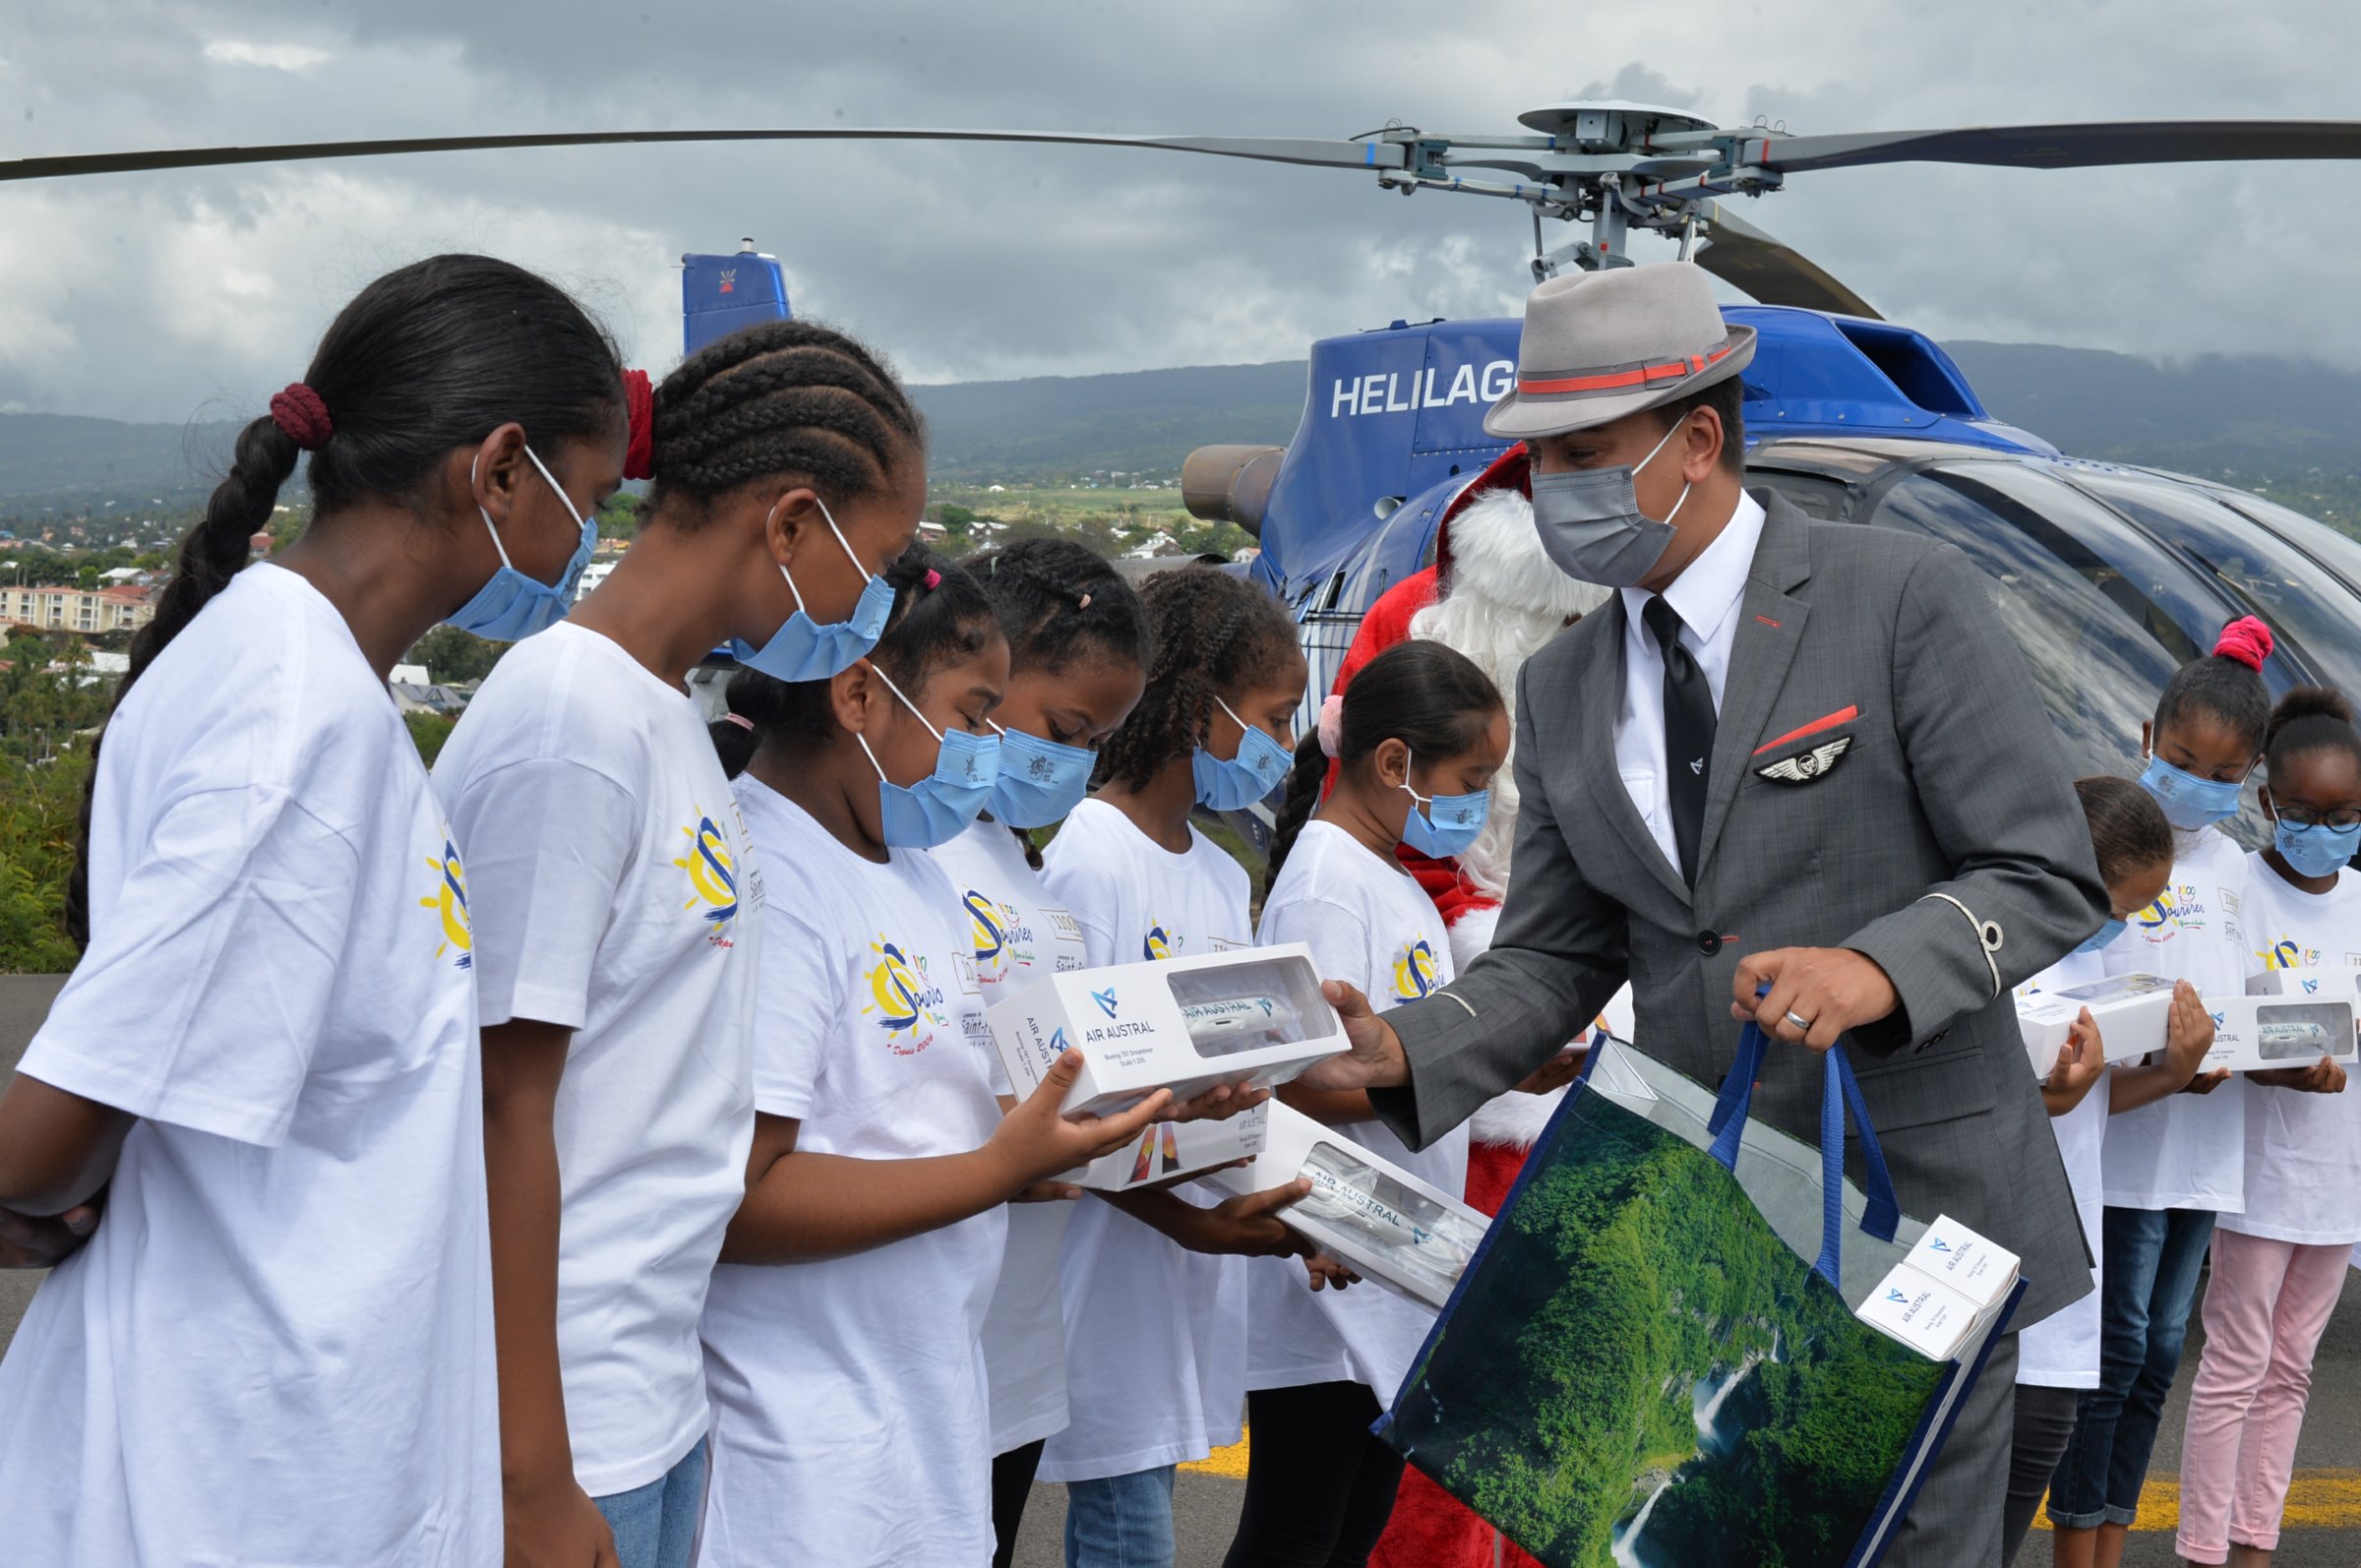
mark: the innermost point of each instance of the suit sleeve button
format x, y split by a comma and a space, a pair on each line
1709, 942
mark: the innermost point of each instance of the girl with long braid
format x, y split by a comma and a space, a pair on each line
277, 1346
620, 910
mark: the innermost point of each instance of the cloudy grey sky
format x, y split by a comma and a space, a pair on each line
179, 296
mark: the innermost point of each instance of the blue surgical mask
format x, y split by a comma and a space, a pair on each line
1234, 783
1447, 824
1039, 780
510, 605
940, 806
2191, 802
2099, 940
805, 650
2316, 849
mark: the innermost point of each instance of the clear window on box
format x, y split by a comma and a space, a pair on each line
2302, 1032
2117, 988
1254, 1003
1388, 1217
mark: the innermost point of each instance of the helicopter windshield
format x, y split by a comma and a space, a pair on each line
2267, 574
2100, 645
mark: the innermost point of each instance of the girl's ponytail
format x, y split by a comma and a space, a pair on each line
2226, 686
1303, 782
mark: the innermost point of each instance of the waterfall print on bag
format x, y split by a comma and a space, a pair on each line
1644, 1367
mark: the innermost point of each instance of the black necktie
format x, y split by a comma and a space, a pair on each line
1688, 733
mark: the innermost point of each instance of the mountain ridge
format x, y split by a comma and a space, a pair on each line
2246, 417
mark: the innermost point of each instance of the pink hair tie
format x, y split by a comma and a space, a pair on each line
2245, 640
738, 719
933, 579
639, 421
302, 415
1332, 727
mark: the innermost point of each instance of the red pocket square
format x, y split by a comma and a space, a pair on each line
1842, 716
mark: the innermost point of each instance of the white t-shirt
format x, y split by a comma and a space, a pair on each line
2303, 1151
1155, 1335
614, 885
1017, 936
2186, 1151
1369, 924
849, 1408
2062, 1350
278, 1347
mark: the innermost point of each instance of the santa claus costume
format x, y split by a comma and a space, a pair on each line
1495, 597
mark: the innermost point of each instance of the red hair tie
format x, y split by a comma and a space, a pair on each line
2245, 640
302, 416
639, 414
933, 579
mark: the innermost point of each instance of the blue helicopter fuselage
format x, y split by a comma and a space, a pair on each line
1393, 431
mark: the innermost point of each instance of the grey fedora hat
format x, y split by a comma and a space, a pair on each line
1600, 345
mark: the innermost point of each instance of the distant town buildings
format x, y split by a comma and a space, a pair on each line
125, 607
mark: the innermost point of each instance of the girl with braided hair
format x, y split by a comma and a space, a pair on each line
842, 1329
621, 907
1079, 644
1154, 1284
277, 1346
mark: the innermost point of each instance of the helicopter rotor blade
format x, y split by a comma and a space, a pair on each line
2063, 146
1744, 257
1368, 154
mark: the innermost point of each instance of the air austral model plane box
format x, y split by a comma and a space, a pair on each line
2254, 1033
1247, 1017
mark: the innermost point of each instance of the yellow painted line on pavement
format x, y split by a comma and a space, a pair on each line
2317, 1499
1228, 1462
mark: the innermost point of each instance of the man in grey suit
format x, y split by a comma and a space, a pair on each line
1787, 753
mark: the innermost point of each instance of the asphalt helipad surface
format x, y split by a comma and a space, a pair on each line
2324, 1525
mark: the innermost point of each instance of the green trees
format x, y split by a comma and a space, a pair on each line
1632, 1268
452, 656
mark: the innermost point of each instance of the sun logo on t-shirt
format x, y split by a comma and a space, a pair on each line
712, 872
1414, 971
1157, 945
984, 926
904, 998
450, 900
2289, 954
2158, 915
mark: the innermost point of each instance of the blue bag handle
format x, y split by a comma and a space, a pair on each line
1840, 1089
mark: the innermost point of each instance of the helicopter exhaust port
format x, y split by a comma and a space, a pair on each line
1230, 483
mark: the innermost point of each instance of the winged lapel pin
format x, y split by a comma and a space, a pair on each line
1806, 766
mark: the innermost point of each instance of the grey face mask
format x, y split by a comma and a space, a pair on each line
1591, 523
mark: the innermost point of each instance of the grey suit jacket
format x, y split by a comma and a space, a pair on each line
1950, 781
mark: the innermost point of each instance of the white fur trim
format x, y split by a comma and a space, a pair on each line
1497, 556
1513, 1118
1471, 934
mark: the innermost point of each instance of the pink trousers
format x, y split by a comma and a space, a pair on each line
2266, 1304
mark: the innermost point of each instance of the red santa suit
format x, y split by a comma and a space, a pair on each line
1495, 597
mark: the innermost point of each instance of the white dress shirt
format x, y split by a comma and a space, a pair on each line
1706, 597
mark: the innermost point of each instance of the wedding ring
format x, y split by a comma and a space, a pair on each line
1803, 1026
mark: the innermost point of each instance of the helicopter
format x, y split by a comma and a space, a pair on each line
2108, 575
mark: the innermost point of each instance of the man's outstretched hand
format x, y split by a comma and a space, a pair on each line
1375, 1060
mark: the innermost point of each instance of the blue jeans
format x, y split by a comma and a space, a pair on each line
656, 1525
2152, 1259
1121, 1521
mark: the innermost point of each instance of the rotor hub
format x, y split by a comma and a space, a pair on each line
1610, 125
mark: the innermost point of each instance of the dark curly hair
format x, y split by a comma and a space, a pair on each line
1214, 633
430, 357
1432, 699
928, 629
2128, 830
1059, 600
2308, 719
779, 397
